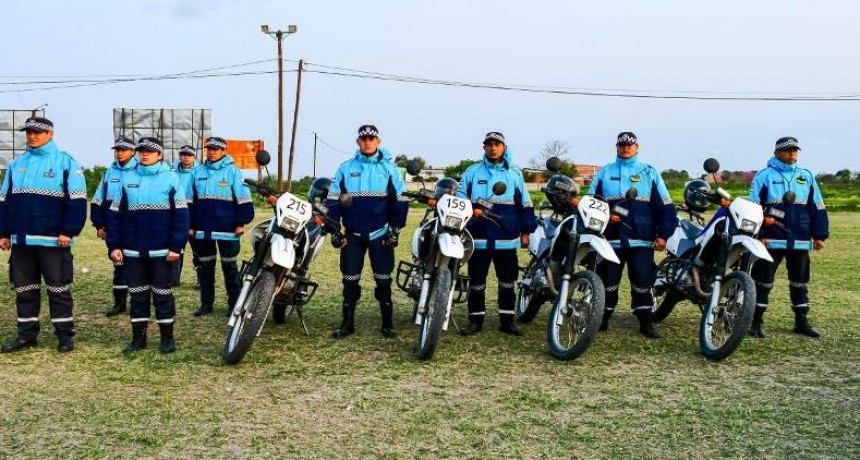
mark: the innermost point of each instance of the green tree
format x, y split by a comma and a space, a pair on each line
401, 160
458, 169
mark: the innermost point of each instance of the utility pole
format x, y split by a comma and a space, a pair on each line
279, 36
295, 125
315, 154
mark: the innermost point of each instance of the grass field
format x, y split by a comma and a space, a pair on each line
487, 396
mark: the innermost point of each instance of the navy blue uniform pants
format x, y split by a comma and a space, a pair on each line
177, 267
120, 285
641, 271
149, 284
28, 265
798, 265
206, 255
507, 270
352, 263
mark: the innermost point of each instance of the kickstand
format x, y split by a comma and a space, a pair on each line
302, 319
456, 326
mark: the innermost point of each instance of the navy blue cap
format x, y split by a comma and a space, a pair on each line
216, 143
494, 136
150, 144
786, 143
123, 143
368, 130
626, 138
38, 124
187, 150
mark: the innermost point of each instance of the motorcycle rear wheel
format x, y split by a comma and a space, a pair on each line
529, 302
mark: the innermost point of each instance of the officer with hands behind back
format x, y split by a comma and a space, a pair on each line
650, 221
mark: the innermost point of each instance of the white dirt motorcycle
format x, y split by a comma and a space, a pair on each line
276, 277
441, 245
565, 249
709, 265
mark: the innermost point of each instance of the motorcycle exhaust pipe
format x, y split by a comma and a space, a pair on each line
697, 285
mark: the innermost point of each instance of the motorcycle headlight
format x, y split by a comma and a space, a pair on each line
748, 226
452, 222
290, 225
595, 225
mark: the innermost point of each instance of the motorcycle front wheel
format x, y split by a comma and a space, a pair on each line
434, 316
529, 302
574, 319
251, 317
724, 326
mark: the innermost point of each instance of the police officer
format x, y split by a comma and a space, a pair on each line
806, 227
109, 187
373, 223
147, 229
496, 245
184, 168
43, 206
651, 220
220, 208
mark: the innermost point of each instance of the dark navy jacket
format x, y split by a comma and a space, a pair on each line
109, 188
651, 214
377, 190
220, 201
150, 216
806, 218
514, 207
43, 196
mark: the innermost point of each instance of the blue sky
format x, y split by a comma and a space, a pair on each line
773, 47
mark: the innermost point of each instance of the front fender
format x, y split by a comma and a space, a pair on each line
282, 251
603, 248
754, 246
451, 245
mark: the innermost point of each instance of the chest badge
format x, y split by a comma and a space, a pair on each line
49, 173
801, 180
634, 178
20, 170
222, 183
355, 174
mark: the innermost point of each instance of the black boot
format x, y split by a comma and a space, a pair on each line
17, 344
802, 326
604, 323
387, 311
138, 337
167, 344
203, 310
757, 327
65, 343
508, 327
646, 324
476, 324
119, 301
347, 326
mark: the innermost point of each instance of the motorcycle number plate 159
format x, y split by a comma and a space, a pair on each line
450, 205
294, 208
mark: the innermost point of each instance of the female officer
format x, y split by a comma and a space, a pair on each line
147, 229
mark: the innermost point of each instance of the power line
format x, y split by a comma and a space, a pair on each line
331, 146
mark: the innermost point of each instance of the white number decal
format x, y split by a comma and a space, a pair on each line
600, 206
456, 203
298, 206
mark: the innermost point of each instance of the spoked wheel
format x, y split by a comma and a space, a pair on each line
434, 316
725, 326
576, 316
665, 298
250, 321
529, 301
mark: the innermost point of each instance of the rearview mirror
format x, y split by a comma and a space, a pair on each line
711, 165
262, 158
554, 164
345, 200
789, 198
413, 167
499, 188
631, 194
